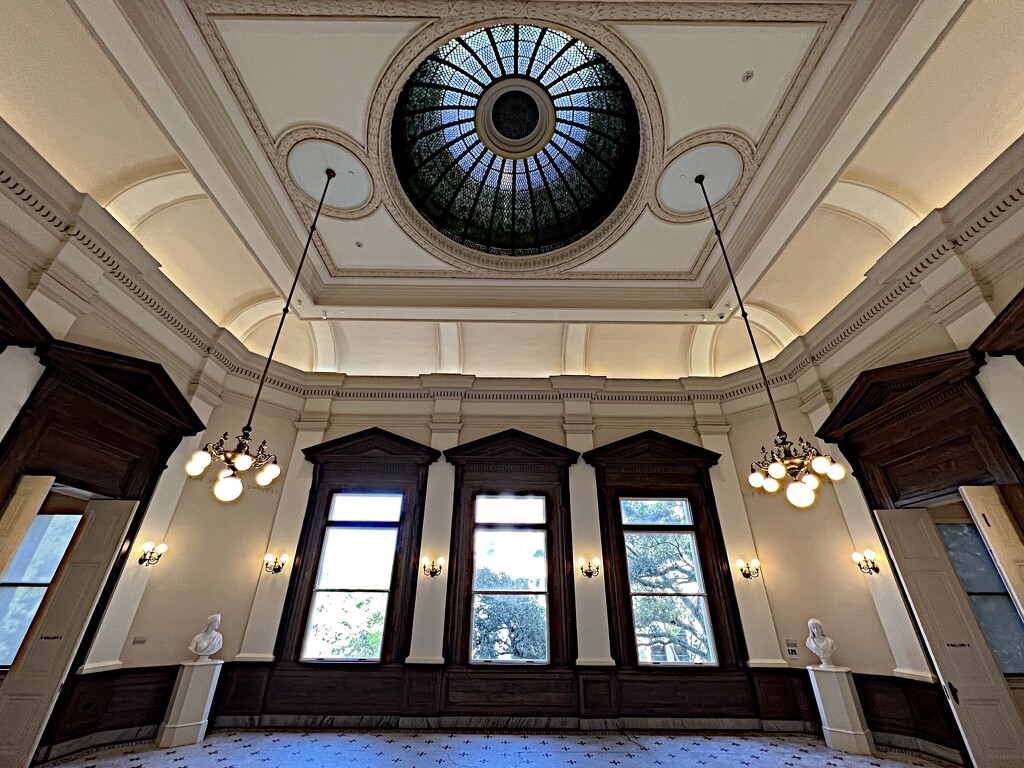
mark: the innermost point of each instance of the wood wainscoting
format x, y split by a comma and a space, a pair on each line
332, 694
108, 708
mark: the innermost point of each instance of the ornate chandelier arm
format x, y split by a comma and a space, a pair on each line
699, 180
247, 429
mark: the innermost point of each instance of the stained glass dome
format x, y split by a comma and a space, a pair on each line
515, 139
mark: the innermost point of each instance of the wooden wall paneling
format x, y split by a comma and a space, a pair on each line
907, 708
785, 694
510, 692
340, 688
108, 701
422, 693
598, 693
241, 689
1005, 335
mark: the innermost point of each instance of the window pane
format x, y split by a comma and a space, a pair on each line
357, 558
345, 625
1003, 629
970, 558
656, 512
511, 509
510, 628
18, 606
510, 560
41, 550
663, 562
673, 630
366, 507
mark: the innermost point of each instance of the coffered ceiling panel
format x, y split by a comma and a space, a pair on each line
652, 246
319, 72
699, 71
376, 244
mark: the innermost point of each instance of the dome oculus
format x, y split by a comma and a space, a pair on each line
515, 139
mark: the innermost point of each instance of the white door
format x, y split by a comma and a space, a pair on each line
30, 690
975, 686
999, 532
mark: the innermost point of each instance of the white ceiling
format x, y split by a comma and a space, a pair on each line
171, 111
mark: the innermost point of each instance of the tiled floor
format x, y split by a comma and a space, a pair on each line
404, 749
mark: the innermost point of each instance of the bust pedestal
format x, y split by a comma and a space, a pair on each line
186, 719
842, 719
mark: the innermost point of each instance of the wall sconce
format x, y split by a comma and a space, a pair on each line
432, 568
749, 570
151, 553
591, 569
865, 562
273, 564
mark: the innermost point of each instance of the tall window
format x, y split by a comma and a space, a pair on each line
24, 583
353, 582
671, 619
510, 580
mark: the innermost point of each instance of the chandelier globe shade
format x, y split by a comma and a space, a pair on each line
240, 458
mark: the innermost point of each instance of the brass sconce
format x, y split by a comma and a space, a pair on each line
750, 570
589, 569
432, 568
865, 562
273, 564
151, 553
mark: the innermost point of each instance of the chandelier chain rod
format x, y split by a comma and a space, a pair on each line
247, 429
699, 179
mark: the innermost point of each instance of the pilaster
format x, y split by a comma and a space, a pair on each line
763, 646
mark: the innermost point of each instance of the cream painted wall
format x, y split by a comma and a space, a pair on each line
215, 554
216, 550
20, 369
805, 556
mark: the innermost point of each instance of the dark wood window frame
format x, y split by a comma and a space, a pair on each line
655, 466
371, 461
512, 463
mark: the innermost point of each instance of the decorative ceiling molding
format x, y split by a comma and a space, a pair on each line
467, 259
887, 215
289, 139
590, 21
744, 148
974, 213
136, 203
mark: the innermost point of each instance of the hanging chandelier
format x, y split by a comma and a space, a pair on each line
802, 464
240, 459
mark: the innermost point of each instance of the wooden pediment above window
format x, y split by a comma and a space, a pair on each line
651, 448
1005, 336
18, 326
895, 391
511, 446
372, 446
127, 385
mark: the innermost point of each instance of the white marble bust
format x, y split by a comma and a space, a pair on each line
821, 644
209, 641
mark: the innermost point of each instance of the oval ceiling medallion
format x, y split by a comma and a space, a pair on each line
515, 140
724, 158
306, 163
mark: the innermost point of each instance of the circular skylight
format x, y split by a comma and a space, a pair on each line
515, 139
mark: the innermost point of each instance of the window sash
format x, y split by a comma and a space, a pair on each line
541, 596
361, 636
697, 595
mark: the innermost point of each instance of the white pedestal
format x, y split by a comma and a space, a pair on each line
842, 718
187, 714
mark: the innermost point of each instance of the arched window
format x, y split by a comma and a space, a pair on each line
510, 589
